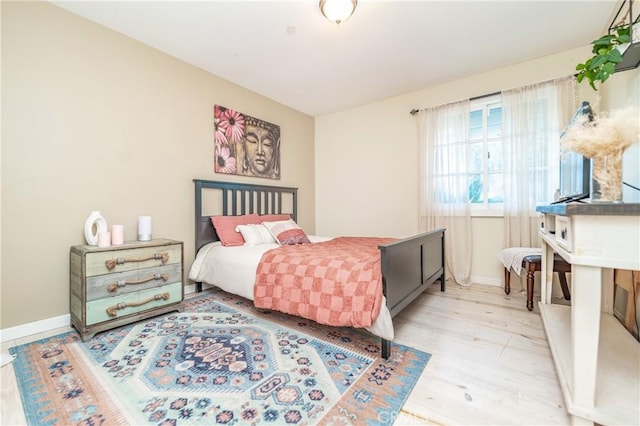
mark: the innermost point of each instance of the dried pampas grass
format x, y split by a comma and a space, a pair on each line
606, 135
604, 141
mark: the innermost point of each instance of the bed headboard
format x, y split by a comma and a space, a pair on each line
233, 199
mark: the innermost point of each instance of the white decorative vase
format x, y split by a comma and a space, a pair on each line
94, 225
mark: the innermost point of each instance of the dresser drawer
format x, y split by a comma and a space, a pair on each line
110, 308
118, 283
547, 224
564, 232
107, 262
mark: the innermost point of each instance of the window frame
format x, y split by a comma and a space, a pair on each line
485, 103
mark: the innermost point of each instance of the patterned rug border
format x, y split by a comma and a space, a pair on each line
39, 410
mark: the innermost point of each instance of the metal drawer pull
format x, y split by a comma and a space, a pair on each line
121, 283
112, 310
111, 263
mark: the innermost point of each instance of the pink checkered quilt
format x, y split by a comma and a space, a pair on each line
336, 282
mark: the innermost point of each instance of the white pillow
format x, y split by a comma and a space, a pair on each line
255, 234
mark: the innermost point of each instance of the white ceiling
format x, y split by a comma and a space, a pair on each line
287, 51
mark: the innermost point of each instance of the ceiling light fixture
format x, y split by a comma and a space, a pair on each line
338, 11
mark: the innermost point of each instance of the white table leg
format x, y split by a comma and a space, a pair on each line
546, 273
580, 421
586, 293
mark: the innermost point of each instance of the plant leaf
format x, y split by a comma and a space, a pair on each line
623, 31
609, 68
626, 38
614, 56
597, 62
605, 56
605, 40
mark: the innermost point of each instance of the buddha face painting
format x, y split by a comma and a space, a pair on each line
245, 145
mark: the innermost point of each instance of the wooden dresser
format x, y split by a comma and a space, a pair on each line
118, 285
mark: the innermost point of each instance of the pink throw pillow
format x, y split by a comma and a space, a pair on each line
274, 217
287, 232
226, 227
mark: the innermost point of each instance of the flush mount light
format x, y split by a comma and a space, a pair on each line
338, 11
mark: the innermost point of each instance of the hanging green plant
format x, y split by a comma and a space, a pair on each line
606, 55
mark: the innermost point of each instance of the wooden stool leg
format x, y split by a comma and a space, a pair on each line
563, 283
507, 280
530, 280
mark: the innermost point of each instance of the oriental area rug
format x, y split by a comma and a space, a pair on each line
220, 362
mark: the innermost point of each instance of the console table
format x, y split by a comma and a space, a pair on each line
596, 358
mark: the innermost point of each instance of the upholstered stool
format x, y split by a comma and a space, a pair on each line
533, 263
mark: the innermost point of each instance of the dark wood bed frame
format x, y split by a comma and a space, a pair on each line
409, 266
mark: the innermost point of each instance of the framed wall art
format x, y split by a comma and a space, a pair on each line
245, 145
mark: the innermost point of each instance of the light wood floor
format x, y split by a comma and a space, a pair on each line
490, 364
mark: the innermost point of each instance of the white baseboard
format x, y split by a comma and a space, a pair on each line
48, 324
487, 280
189, 288
35, 327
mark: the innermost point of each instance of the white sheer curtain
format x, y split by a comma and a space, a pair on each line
532, 119
444, 201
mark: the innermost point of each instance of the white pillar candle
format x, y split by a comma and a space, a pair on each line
117, 235
144, 228
104, 239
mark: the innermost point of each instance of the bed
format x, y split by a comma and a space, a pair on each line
408, 266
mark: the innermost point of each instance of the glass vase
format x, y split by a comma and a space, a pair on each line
606, 178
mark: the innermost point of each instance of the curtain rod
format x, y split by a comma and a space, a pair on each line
415, 111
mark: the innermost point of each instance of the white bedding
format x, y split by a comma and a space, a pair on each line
233, 269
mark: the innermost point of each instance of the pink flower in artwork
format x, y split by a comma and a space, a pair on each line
224, 162
217, 112
220, 137
228, 122
221, 124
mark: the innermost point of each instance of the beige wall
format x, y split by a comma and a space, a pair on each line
367, 159
622, 91
92, 120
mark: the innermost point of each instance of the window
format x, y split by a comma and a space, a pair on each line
496, 155
486, 170
471, 161
481, 173
493, 156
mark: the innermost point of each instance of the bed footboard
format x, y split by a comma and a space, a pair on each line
409, 267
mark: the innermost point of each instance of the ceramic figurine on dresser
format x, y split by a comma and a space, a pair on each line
94, 225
